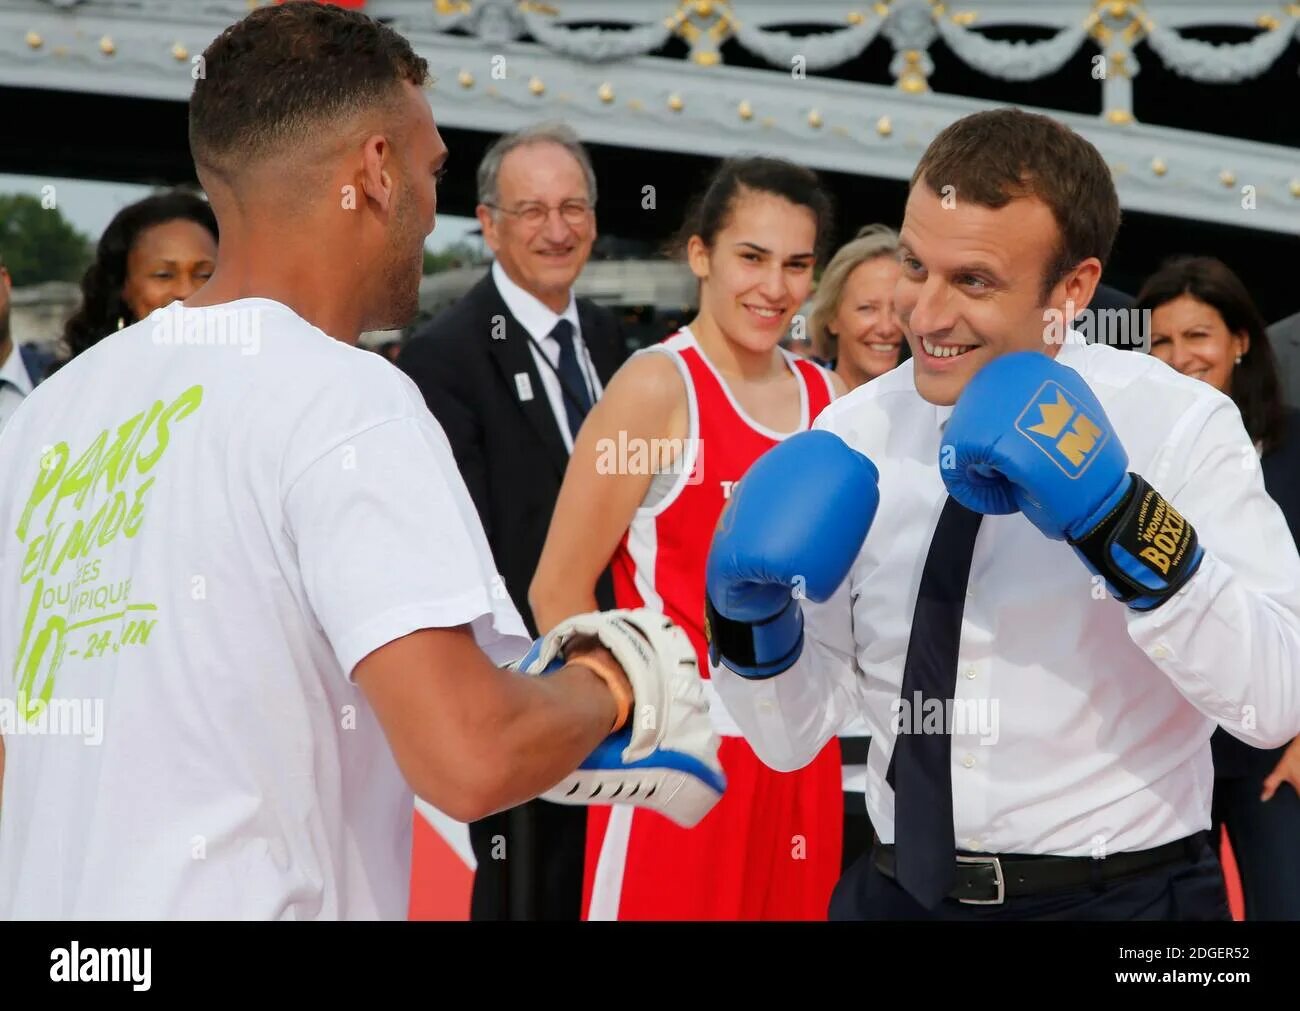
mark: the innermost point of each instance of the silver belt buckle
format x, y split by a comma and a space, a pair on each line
997, 876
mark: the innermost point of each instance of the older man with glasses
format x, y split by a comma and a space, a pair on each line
510, 371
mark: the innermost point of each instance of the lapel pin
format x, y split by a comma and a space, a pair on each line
524, 386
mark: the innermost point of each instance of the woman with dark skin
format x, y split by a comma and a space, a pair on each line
154, 252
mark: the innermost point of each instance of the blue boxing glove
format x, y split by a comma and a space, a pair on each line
1028, 435
794, 525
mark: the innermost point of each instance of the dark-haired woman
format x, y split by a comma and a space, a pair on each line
154, 252
1204, 323
677, 427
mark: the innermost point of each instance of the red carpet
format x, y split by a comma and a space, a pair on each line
440, 881
1235, 902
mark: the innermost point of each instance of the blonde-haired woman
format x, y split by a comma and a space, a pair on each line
853, 326
855, 333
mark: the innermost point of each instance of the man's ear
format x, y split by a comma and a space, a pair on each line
376, 176
1077, 288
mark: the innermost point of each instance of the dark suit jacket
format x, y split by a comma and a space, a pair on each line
1284, 335
1281, 472
509, 450
512, 457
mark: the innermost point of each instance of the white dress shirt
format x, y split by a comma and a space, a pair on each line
15, 384
539, 320
1086, 725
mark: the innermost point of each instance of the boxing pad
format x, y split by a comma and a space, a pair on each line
665, 757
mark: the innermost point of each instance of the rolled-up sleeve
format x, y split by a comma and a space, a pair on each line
1230, 638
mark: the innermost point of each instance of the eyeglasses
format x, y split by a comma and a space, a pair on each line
533, 214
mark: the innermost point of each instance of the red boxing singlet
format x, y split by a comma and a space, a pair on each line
771, 847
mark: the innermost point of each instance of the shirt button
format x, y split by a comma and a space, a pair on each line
972, 672
1160, 653
968, 761
765, 707
972, 844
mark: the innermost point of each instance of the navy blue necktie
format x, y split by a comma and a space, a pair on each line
577, 399
920, 770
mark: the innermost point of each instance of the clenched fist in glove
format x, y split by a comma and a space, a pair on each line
663, 752
1028, 434
795, 522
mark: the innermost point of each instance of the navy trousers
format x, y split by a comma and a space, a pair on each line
1192, 889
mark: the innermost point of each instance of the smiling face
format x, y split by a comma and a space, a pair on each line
1192, 337
759, 270
167, 262
971, 286
544, 227
868, 336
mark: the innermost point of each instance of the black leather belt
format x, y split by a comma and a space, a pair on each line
987, 879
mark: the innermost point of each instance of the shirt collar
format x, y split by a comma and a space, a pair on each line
14, 371
533, 315
1070, 354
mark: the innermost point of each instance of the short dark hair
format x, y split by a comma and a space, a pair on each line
1256, 389
278, 75
801, 186
999, 155
102, 305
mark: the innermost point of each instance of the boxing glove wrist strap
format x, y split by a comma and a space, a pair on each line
759, 649
1143, 547
615, 681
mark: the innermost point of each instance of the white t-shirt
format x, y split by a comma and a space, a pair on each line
207, 520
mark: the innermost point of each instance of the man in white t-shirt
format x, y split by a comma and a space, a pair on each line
246, 605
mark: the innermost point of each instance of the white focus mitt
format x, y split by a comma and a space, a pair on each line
665, 757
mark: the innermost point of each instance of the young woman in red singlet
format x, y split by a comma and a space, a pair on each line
654, 463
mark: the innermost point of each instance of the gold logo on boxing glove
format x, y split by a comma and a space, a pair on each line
1058, 425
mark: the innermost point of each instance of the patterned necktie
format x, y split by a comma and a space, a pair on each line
577, 399
920, 769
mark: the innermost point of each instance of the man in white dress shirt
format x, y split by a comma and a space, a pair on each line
1075, 776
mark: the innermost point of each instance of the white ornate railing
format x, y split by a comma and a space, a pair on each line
911, 26
501, 63
1114, 27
